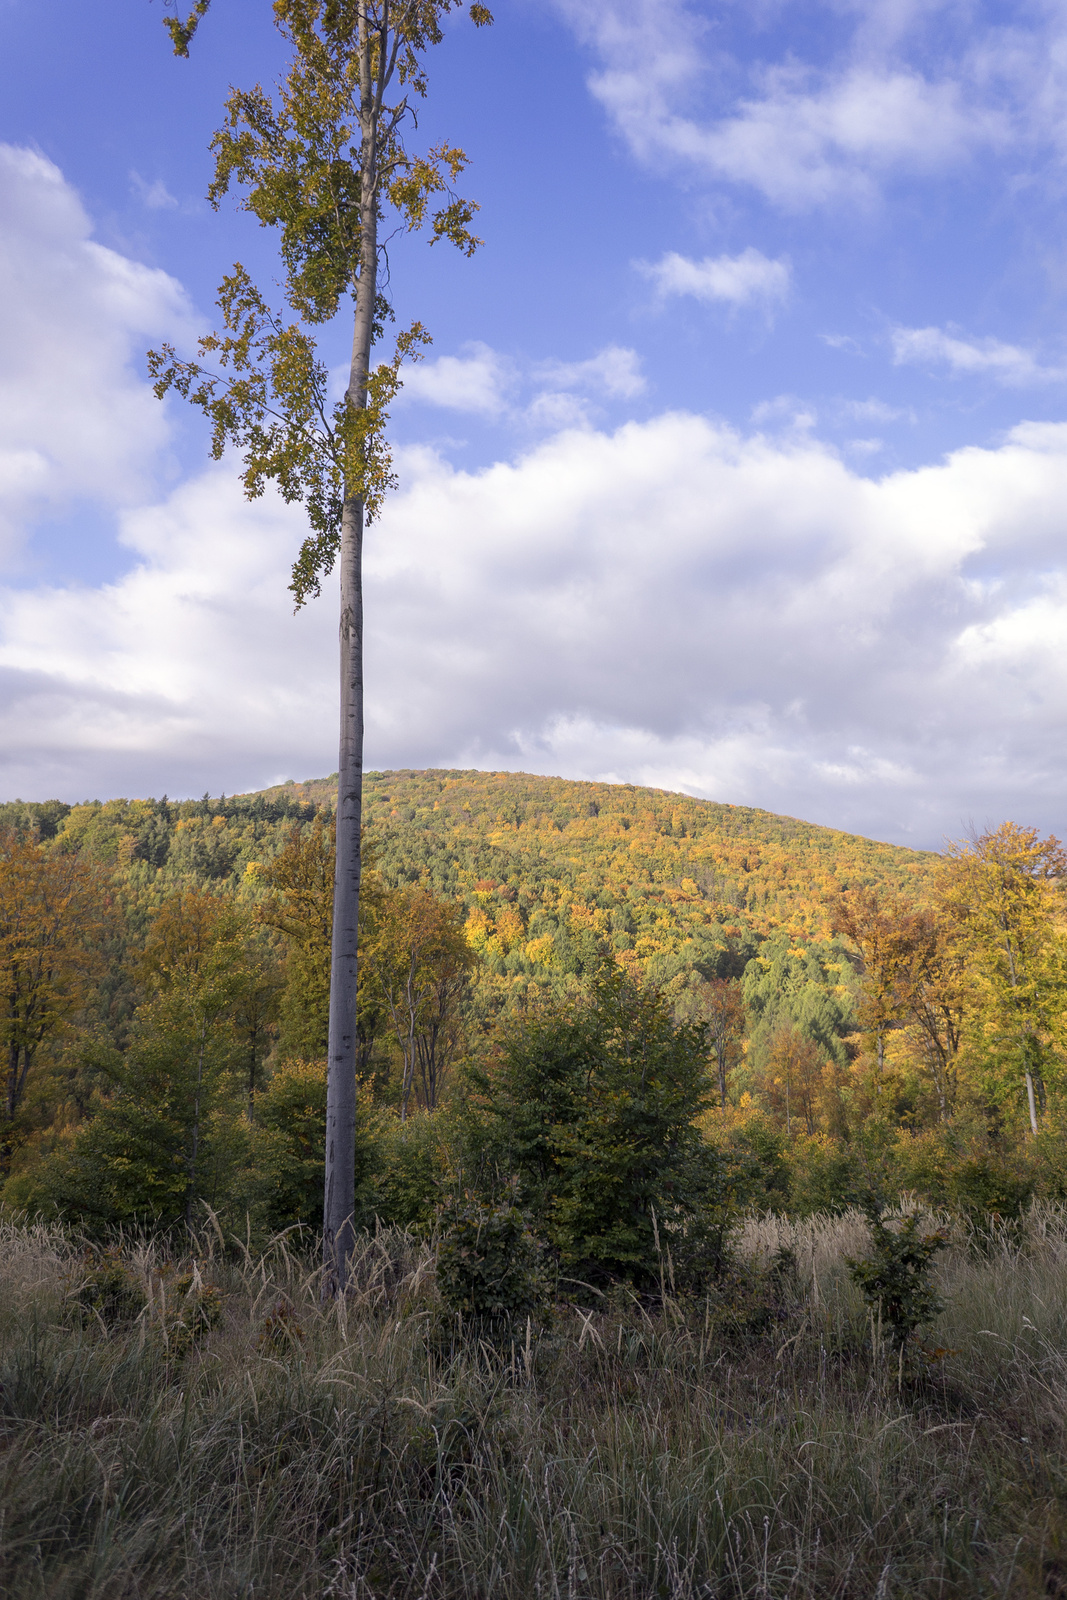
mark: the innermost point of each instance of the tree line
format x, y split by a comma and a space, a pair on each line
165, 1029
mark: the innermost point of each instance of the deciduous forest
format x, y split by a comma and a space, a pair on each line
869, 1014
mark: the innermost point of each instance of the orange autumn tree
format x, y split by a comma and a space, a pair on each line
794, 1078
421, 962
52, 910
915, 979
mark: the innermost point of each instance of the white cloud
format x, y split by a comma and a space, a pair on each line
738, 280
672, 603
141, 684
555, 409
1007, 363
615, 371
874, 410
484, 382
478, 381
785, 410
77, 418
801, 146
155, 195
801, 134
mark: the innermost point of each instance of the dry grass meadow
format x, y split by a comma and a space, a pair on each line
200, 1427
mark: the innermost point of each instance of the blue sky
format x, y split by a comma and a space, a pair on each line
738, 464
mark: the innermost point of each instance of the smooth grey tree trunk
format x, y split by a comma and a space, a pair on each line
340, 1198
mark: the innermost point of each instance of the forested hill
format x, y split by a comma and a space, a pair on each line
649, 869
548, 868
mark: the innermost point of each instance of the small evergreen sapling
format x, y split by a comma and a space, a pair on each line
895, 1279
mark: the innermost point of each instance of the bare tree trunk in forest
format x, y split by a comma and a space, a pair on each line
196, 1128
1031, 1102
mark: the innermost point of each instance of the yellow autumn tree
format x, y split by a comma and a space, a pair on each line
1004, 890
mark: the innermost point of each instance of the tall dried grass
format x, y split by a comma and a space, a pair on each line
372, 1449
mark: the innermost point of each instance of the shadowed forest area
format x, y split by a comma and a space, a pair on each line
711, 1174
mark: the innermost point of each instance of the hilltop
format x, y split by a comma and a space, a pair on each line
668, 858
551, 869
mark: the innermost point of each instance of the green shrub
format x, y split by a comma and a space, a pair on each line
825, 1176
412, 1169
895, 1278
966, 1170
110, 1293
284, 1184
591, 1108
489, 1264
758, 1159
190, 1309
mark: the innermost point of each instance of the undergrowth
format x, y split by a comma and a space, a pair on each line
757, 1441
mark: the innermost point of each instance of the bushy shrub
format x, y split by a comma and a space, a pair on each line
284, 1182
895, 1278
591, 1106
489, 1264
757, 1160
188, 1313
412, 1169
825, 1176
110, 1293
964, 1169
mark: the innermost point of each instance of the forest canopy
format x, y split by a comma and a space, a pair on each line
867, 1015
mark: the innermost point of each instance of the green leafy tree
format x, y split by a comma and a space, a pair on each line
787, 986
420, 962
591, 1107
325, 162
160, 1140
717, 1002
288, 1146
300, 908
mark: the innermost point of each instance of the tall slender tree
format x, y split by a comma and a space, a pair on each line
323, 160
1004, 889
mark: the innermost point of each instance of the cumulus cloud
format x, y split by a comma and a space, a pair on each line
801, 134
614, 371
484, 382
738, 280
77, 417
801, 143
139, 685
477, 381
672, 603
1006, 363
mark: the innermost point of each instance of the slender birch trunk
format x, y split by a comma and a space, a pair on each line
196, 1126
258, 146
340, 1195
